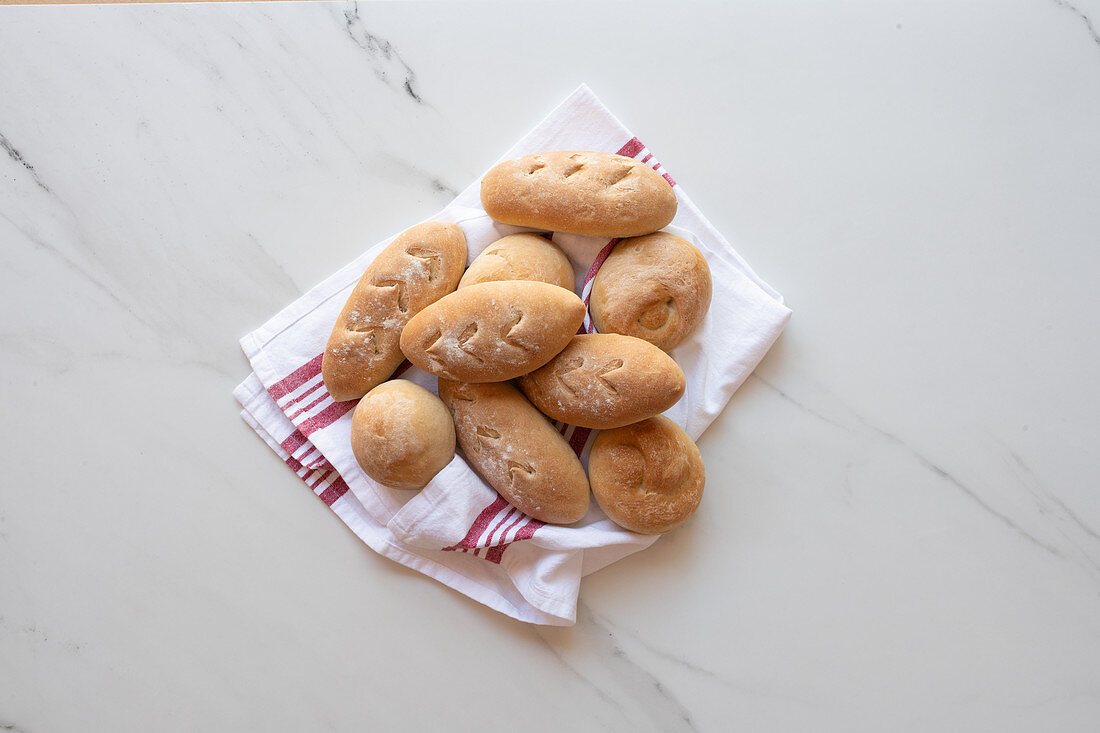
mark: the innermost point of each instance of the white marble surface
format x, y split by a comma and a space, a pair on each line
902, 523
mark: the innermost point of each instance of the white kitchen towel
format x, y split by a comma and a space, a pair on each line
457, 529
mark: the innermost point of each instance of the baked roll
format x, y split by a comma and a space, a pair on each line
605, 380
517, 450
419, 267
587, 193
647, 477
520, 257
655, 287
493, 331
402, 435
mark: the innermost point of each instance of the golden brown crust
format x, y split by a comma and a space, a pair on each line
422, 265
517, 450
520, 257
605, 381
493, 331
655, 287
647, 477
581, 192
402, 435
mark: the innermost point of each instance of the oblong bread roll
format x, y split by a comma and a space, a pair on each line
581, 192
402, 435
492, 332
520, 257
422, 265
605, 381
655, 287
517, 450
647, 477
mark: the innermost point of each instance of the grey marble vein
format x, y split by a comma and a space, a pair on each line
1069, 525
646, 691
41, 349
700, 671
168, 332
290, 289
800, 405
931, 466
1084, 19
386, 60
442, 187
79, 238
77, 268
974, 496
596, 688
847, 485
17, 156
391, 167
1062, 507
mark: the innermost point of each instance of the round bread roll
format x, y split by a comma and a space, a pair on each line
520, 257
655, 287
647, 477
402, 435
605, 380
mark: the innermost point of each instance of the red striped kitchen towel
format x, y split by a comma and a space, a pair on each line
457, 529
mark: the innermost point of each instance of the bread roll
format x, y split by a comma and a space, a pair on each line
647, 477
517, 450
419, 267
402, 435
605, 381
588, 193
655, 287
520, 257
493, 331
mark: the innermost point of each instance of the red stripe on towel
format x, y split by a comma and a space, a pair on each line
296, 378
326, 417
597, 263
316, 401
334, 492
479, 525
293, 442
578, 440
512, 511
528, 530
632, 148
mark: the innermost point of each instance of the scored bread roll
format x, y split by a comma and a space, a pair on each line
520, 257
420, 266
492, 332
581, 192
402, 435
655, 287
605, 381
517, 450
647, 477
